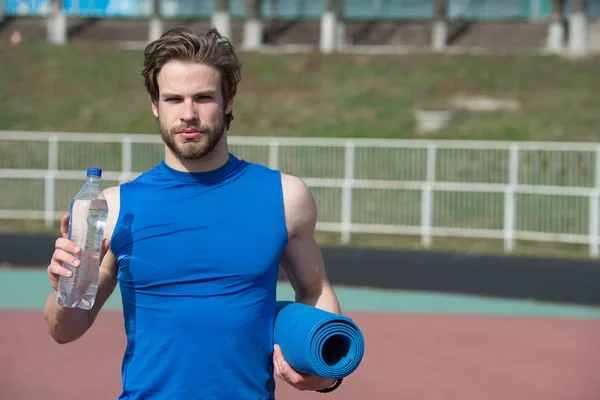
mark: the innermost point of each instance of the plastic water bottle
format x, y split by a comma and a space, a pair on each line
88, 213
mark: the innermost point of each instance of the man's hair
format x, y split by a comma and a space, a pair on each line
187, 45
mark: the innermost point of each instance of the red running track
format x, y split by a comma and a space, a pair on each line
407, 357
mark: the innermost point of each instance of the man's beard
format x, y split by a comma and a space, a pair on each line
192, 149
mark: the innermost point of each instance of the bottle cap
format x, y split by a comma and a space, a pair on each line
94, 172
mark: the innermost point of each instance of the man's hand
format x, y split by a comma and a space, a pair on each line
66, 252
284, 371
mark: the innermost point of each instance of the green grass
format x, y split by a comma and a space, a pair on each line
99, 89
91, 88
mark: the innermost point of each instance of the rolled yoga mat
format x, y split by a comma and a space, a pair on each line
317, 342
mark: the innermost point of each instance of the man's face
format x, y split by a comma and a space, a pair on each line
190, 109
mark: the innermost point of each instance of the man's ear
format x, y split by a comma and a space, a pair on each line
155, 108
229, 108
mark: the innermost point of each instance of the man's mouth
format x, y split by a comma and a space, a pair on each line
189, 133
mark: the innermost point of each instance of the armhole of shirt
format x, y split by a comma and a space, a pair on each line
286, 235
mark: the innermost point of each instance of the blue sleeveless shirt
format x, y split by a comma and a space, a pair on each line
198, 258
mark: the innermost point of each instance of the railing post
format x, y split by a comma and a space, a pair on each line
125, 159
347, 192
377, 8
273, 154
509, 199
594, 217
427, 197
535, 10
49, 182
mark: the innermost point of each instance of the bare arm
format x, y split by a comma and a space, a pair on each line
68, 324
302, 260
303, 264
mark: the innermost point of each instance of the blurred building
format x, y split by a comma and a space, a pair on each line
302, 9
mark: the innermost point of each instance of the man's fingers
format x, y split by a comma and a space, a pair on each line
277, 353
64, 226
278, 365
61, 256
285, 371
58, 270
279, 361
276, 368
276, 361
284, 377
291, 375
65, 253
67, 245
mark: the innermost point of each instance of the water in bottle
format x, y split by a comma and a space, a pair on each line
88, 213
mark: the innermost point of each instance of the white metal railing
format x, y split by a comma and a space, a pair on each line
505, 190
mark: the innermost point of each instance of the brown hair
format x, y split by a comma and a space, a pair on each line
184, 44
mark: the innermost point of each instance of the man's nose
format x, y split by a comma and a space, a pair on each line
189, 112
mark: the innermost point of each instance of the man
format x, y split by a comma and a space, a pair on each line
195, 244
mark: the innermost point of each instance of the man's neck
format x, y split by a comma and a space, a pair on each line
214, 160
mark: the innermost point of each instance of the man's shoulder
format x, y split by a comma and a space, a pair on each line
299, 202
112, 195
294, 187
112, 191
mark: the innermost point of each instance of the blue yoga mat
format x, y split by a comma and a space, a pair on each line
317, 342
